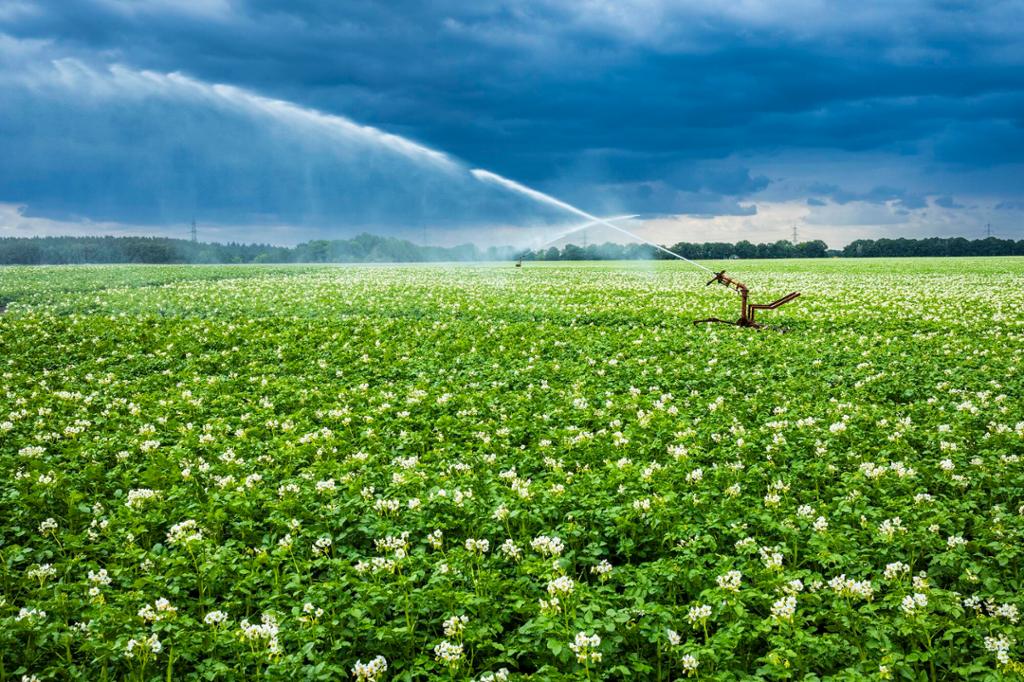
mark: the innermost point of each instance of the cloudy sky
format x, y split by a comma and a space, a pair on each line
283, 120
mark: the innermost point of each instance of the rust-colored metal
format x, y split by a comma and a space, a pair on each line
747, 310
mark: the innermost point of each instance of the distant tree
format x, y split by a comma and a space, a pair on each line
718, 250
612, 251
572, 252
814, 249
639, 252
745, 249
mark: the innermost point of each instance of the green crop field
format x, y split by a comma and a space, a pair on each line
488, 473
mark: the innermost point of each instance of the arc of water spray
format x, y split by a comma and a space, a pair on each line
118, 79
487, 176
589, 223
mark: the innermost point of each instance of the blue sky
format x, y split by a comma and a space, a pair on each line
283, 120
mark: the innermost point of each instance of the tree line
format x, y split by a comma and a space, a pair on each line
933, 246
367, 248
693, 251
364, 248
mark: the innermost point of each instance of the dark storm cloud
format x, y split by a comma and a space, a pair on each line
876, 195
662, 199
127, 146
653, 107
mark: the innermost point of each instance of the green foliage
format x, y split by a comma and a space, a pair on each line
285, 472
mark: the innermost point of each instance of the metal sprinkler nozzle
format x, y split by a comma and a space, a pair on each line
747, 310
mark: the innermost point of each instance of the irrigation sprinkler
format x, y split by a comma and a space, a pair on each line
747, 309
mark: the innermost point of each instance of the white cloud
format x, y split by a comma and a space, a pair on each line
837, 225
14, 223
772, 222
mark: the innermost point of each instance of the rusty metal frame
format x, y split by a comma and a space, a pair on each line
747, 310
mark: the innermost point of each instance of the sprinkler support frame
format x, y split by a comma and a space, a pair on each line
747, 310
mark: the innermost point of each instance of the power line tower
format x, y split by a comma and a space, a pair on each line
988, 229
195, 234
794, 235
